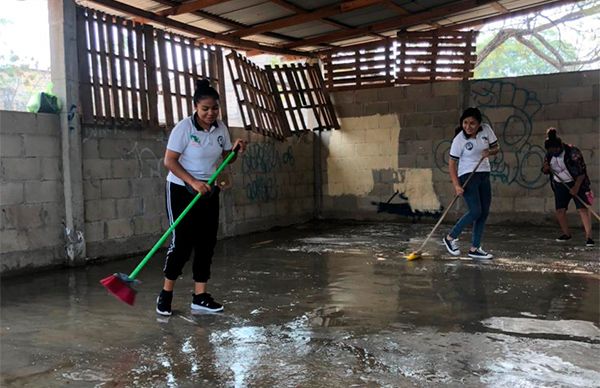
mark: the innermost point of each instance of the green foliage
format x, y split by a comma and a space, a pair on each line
19, 79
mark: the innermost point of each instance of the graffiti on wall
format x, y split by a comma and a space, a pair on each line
510, 110
259, 164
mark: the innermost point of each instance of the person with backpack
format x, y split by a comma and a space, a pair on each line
569, 180
473, 142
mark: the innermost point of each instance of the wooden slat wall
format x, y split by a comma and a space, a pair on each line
300, 90
181, 63
112, 71
361, 66
135, 76
439, 55
261, 111
413, 57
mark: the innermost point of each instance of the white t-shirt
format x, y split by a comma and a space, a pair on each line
200, 150
467, 151
559, 169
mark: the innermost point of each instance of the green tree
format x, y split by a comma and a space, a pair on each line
544, 42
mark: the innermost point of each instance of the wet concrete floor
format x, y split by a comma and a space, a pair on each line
320, 305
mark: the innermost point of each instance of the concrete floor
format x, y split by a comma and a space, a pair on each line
321, 305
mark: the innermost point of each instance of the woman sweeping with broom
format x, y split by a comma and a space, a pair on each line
195, 146
469, 164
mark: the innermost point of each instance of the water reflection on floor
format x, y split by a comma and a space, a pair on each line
321, 304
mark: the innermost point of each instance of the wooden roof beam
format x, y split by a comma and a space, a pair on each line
293, 20
197, 31
190, 6
423, 17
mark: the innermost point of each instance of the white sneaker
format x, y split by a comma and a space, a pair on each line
480, 254
451, 246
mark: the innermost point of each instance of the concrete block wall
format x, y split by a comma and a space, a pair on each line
412, 128
124, 189
31, 195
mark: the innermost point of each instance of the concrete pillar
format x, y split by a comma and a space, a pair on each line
318, 174
65, 76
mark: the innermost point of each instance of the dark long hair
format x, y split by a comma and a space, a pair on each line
204, 90
552, 139
469, 112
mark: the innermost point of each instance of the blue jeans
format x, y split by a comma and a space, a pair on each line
478, 196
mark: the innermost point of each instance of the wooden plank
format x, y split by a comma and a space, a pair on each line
218, 53
132, 78
164, 72
85, 85
314, 104
230, 58
313, 74
319, 78
113, 70
104, 64
176, 75
296, 93
123, 71
187, 78
152, 74
142, 71
189, 6
98, 105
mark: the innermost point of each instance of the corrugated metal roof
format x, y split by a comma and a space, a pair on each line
316, 33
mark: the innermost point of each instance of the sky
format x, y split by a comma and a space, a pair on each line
24, 30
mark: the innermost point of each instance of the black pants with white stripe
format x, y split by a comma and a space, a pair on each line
197, 231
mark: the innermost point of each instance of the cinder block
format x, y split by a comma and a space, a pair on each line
13, 241
147, 225
362, 96
102, 209
373, 108
89, 149
125, 168
11, 193
129, 207
419, 91
41, 146
115, 188
349, 110
21, 216
48, 124
579, 126
20, 169
391, 93
91, 189
51, 168
417, 119
120, 228
588, 109
540, 126
547, 96
252, 211
450, 88
560, 111
44, 191
11, 145
111, 148
575, 94
94, 231
43, 237
402, 106
96, 168
343, 97
530, 204
12, 122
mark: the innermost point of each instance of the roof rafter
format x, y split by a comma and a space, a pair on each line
319, 13
190, 6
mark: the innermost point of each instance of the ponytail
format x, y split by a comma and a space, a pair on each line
204, 90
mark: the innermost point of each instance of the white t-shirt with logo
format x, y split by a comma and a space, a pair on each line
467, 151
559, 168
200, 150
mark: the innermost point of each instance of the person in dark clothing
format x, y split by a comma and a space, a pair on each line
196, 145
569, 180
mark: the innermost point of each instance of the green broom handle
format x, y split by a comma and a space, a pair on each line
160, 242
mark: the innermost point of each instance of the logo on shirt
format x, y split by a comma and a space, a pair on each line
195, 138
469, 146
220, 140
485, 138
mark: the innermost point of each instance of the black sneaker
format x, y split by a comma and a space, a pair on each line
451, 246
480, 254
589, 242
563, 238
205, 302
163, 303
